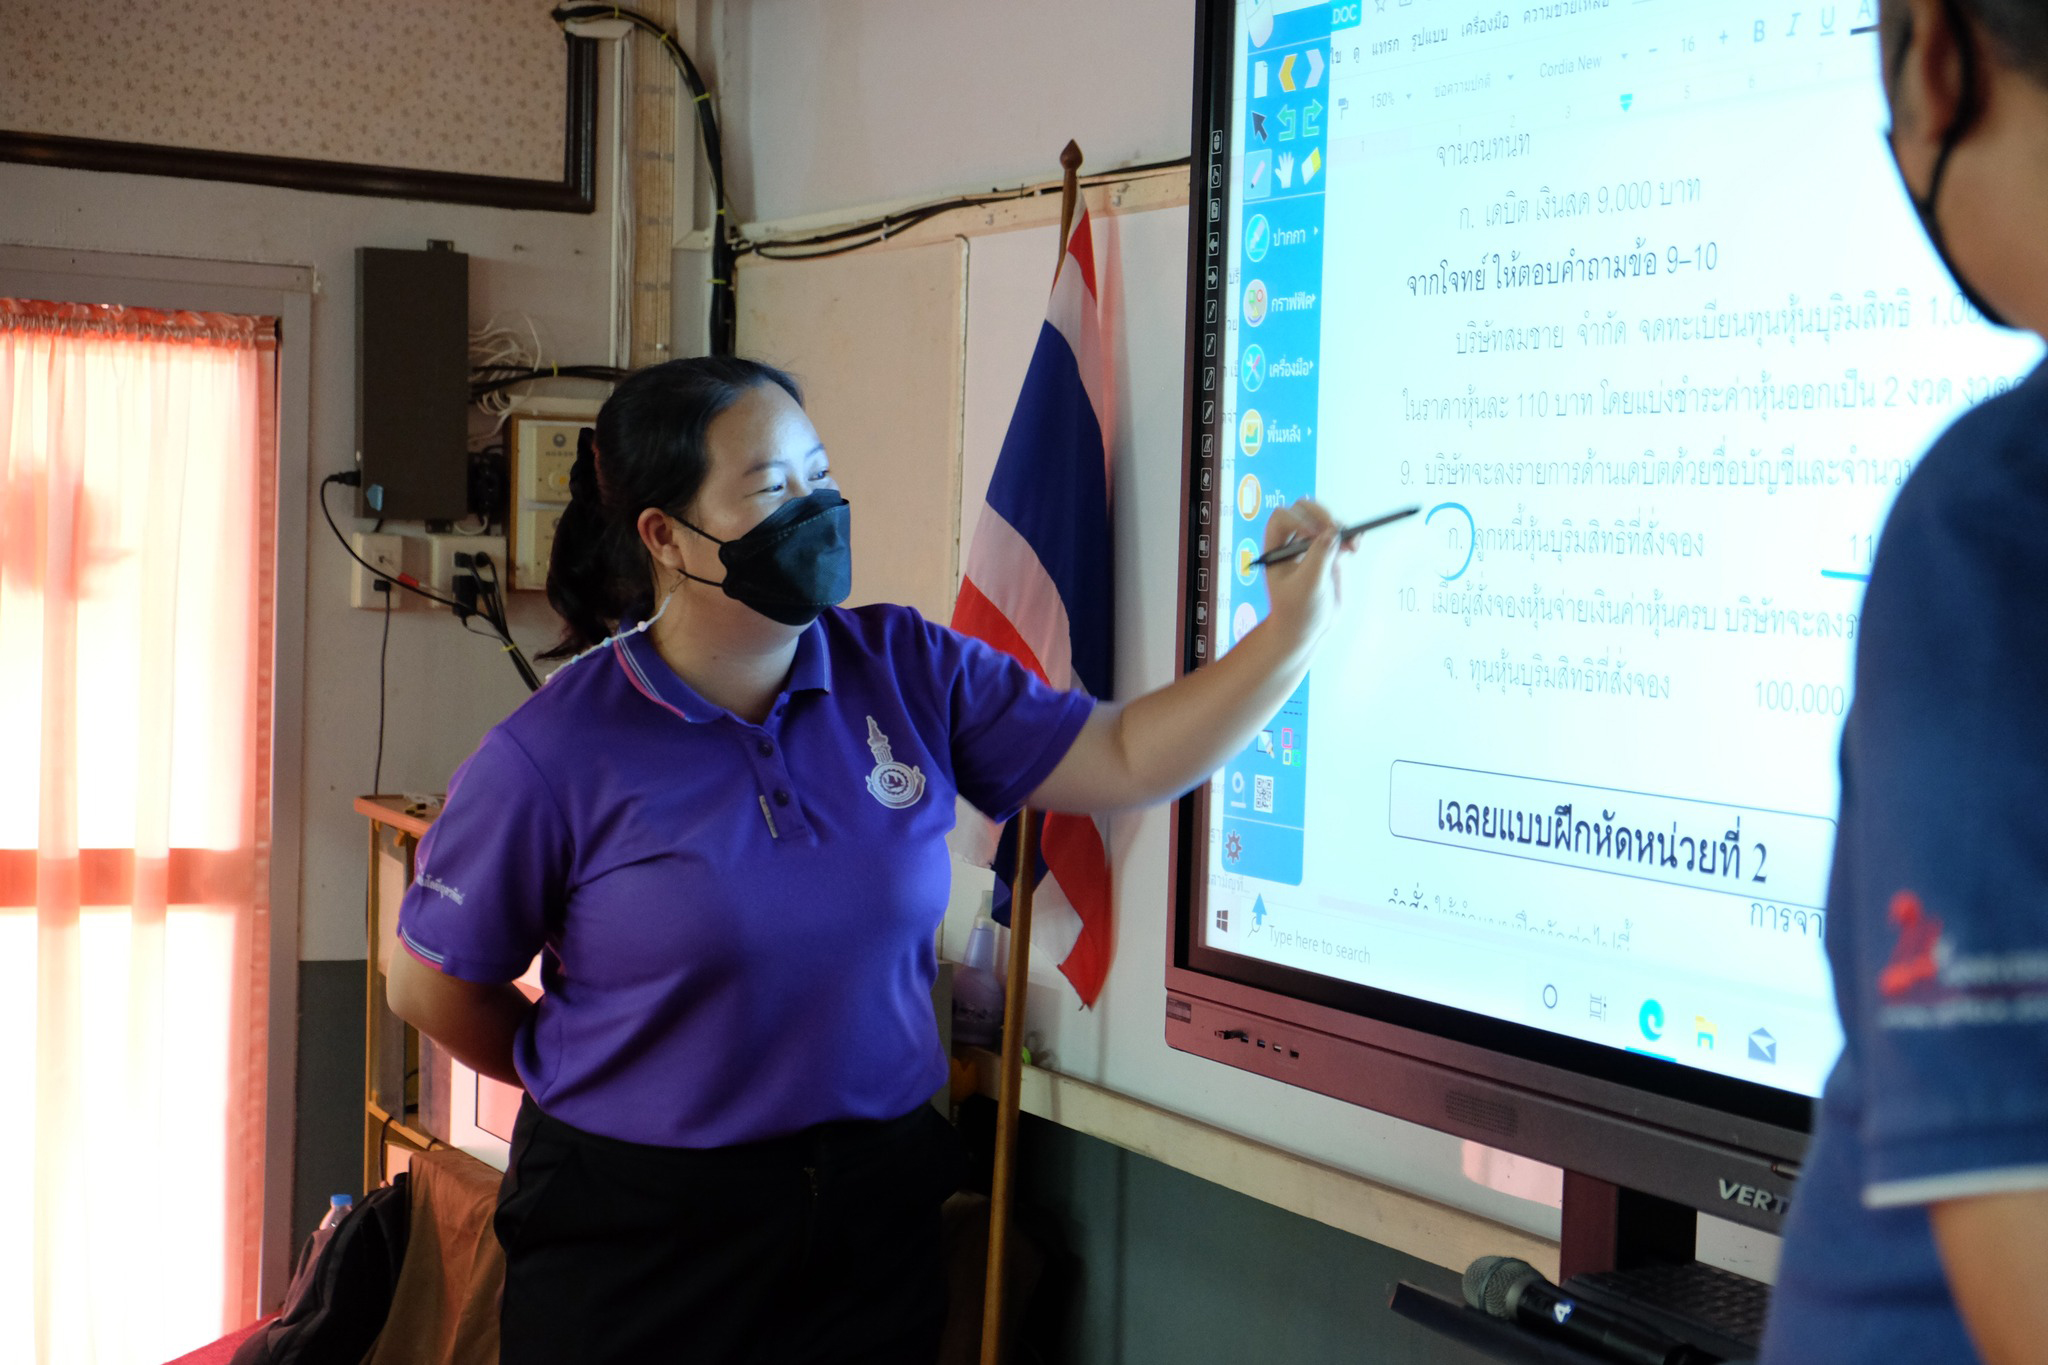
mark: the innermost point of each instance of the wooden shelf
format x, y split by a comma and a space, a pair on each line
401, 813
390, 1046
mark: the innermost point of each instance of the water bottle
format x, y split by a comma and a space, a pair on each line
978, 992
304, 1270
338, 1207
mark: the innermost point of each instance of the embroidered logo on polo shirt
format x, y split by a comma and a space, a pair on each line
1916, 957
894, 784
1930, 984
440, 888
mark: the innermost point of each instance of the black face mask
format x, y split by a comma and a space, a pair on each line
792, 566
1966, 113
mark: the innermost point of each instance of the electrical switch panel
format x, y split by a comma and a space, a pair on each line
542, 448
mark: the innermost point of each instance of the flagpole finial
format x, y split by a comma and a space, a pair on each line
1070, 193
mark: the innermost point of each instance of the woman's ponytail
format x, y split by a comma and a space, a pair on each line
648, 451
582, 574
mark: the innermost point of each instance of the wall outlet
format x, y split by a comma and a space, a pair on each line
386, 553
442, 551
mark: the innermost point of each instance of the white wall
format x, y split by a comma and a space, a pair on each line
446, 687
835, 105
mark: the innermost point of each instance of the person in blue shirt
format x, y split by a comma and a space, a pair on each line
1919, 1230
722, 828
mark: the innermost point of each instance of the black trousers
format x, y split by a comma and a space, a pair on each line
821, 1247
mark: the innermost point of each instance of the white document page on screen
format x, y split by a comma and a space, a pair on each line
1628, 298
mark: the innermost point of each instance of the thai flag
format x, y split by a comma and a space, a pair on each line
1038, 586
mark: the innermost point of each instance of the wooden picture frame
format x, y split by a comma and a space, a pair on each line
574, 192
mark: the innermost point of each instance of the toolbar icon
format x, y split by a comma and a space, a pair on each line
1254, 303
1301, 70
1650, 1019
1259, 23
1252, 368
1247, 551
1241, 622
1763, 1047
1258, 175
1258, 237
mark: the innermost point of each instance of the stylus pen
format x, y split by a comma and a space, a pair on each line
1294, 549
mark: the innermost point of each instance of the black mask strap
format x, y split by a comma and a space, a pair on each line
704, 533
1967, 111
715, 541
1966, 103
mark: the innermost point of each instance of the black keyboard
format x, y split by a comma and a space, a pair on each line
1716, 1310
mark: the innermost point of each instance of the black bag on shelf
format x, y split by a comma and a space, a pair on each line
341, 1291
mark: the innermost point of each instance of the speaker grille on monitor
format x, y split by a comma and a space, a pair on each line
1477, 1111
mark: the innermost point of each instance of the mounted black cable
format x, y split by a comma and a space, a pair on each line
724, 300
855, 236
353, 479
489, 379
481, 585
491, 602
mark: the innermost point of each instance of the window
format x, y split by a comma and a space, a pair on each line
136, 568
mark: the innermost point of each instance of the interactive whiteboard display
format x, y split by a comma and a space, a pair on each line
1629, 299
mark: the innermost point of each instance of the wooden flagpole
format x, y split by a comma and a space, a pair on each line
1003, 1189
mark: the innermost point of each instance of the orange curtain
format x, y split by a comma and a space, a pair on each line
136, 553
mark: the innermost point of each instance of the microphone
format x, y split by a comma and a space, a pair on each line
1515, 1291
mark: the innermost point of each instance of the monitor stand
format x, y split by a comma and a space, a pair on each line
1636, 1253
1612, 1227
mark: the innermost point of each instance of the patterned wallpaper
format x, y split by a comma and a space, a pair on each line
473, 86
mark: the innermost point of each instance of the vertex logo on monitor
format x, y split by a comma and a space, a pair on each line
1750, 1197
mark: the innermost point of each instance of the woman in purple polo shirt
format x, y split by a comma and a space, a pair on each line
722, 826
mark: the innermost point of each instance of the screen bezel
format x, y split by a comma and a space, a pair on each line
1639, 1087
